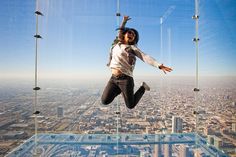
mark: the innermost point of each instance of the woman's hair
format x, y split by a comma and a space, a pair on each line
125, 30
136, 35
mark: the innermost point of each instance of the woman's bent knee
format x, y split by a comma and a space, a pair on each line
104, 101
130, 106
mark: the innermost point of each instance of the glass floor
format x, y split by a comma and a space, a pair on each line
104, 145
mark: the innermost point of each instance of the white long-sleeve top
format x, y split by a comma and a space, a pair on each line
123, 57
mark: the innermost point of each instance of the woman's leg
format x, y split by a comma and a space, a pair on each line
127, 88
110, 92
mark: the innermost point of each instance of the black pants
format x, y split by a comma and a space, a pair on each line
122, 84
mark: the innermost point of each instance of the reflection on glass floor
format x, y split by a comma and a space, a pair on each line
112, 145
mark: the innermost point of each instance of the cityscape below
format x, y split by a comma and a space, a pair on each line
71, 114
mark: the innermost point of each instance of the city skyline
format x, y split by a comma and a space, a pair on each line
77, 36
84, 114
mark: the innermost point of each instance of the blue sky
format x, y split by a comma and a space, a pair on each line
77, 35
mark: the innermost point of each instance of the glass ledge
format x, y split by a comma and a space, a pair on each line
185, 144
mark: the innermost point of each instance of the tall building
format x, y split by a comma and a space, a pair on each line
218, 143
157, 148
60, 112
234, 103
147, 130
234, 126
210, 139
177, 124
184, 151
233, 118
168, 149
208, 131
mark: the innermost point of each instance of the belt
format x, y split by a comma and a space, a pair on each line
121, 76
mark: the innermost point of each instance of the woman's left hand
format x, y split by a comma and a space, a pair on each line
165, 69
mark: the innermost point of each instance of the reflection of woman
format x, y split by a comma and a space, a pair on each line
122, 62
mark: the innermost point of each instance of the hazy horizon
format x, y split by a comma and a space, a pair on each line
154, 81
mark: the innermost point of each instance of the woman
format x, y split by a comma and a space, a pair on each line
122, 62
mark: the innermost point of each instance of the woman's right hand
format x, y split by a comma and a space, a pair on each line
126, 18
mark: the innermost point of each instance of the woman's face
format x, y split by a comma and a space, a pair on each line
129, 37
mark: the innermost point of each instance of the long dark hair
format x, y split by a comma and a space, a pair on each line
136, 35
126, 29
